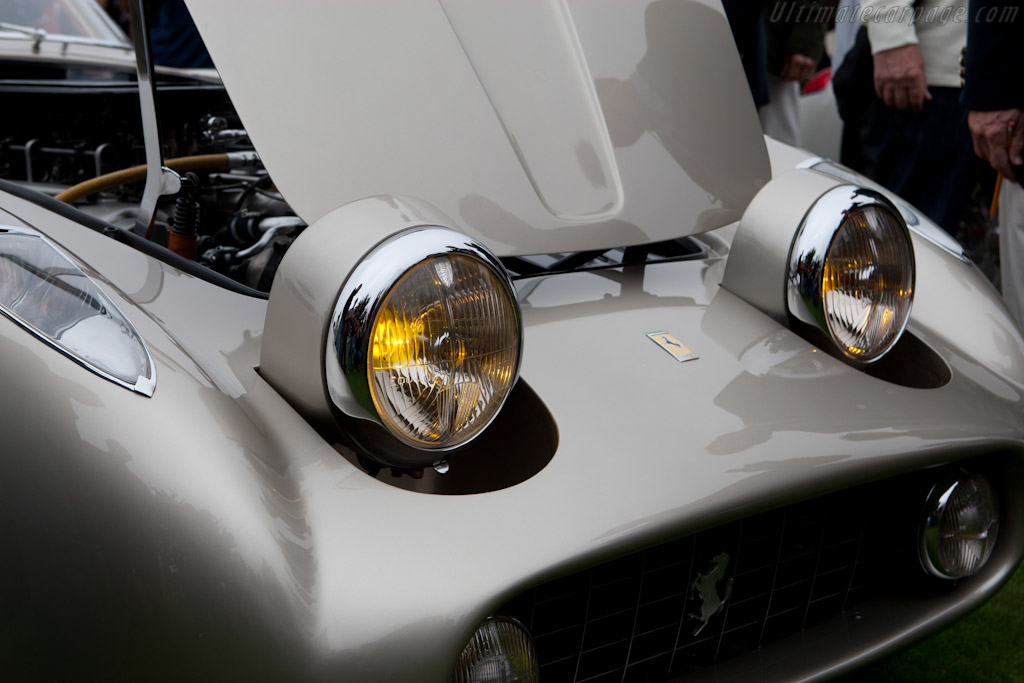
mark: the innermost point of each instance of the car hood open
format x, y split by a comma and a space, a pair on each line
540, 126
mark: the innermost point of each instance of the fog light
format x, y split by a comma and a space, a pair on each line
960, 527
501, 651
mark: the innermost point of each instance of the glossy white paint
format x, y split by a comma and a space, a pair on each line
218, 506
821, 129
295, 529
306, 289
760, 251
537, 127
571, 135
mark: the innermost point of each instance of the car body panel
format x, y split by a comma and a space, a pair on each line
820, 125
589, 139
220, 522
254, 501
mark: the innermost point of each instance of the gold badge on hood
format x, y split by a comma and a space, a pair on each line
678, 350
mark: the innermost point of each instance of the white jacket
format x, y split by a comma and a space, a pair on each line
939, 27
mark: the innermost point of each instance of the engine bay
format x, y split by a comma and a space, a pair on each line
76, 135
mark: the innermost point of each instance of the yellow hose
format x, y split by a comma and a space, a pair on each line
137, 173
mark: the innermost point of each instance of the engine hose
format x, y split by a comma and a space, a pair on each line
137, 173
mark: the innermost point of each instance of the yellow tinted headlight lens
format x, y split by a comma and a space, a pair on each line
867, 283
851, 273
444, 351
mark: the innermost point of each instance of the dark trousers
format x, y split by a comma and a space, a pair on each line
927, 158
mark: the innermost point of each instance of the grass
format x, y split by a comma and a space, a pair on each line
987, 645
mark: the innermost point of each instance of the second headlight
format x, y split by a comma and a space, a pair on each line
851, 273
427, 336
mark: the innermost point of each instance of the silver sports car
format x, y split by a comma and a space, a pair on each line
450, 340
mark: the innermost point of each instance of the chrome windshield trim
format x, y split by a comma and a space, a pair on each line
39, 36
87, 329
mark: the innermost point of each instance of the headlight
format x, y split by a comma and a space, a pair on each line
426, 336
851, 272
45, 292
960, 527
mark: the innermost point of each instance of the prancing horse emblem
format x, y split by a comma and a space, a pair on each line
666, 340
705, 588
678, 350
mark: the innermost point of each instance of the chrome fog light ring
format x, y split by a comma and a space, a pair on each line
366, 317
501, 649
960, 527
851, 273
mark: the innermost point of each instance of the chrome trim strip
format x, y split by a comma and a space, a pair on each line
346, 352
145, 382
810, 246
38, 36
811, 162
934, 508
922, 228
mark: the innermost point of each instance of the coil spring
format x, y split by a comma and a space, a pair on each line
186, 207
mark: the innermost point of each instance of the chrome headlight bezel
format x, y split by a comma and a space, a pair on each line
347, 352
916, 222
810, 250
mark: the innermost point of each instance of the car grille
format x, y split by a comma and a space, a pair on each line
654, 614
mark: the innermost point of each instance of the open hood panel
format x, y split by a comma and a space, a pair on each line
540, 126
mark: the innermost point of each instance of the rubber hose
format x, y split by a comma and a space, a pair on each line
137, 173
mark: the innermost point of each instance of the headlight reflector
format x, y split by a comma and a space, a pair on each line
851, 272
444, 352
960, 527
428, 335
501, 651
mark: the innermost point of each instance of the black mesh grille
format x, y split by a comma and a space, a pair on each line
642, 617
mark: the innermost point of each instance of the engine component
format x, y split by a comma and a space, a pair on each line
181, 238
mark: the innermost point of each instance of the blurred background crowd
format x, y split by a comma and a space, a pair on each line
929, 95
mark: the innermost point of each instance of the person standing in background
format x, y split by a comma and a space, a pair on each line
747, 26
912, 136
994, 98
795, 43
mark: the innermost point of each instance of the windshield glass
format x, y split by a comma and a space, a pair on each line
75, 18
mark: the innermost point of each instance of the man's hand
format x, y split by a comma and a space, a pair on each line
993, 142
899, 78
799, 68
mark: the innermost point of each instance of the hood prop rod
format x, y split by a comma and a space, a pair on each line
160, 180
